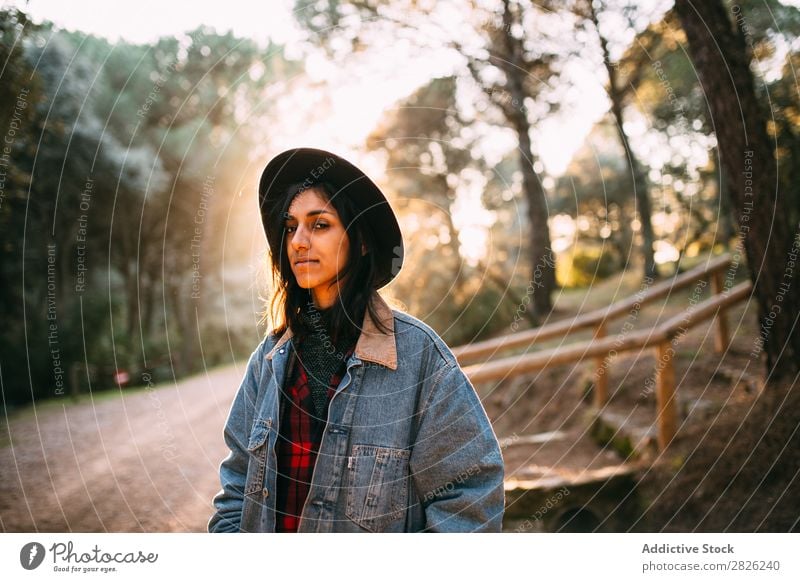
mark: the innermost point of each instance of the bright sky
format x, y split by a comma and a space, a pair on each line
357, 106
146, 20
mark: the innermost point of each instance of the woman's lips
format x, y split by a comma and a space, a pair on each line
304, 262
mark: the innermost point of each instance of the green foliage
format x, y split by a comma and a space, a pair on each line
486, 313
607, 435
426, 150
117, 150
116, 146
585, 265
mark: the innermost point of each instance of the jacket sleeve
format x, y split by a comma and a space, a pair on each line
456, 464
233, 469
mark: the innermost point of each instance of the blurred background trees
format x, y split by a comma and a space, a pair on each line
122, 172
130, 236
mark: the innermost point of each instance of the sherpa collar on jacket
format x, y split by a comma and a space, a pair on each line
372, 345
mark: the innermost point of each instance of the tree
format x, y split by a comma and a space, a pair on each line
430, 155
617, 90
510, 57
595, 189
720, 54
424, 133
119, 152
512, 72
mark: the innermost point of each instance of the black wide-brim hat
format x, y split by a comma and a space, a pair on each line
310, 166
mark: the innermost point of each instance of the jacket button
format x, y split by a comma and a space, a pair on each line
281, 350
265, 492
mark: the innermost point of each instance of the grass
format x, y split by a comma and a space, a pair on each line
622, 285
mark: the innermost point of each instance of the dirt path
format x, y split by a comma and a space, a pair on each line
144, 462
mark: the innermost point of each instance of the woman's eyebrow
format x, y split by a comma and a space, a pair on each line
310, 213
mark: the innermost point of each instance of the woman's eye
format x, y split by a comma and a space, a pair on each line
289, 229
321, 225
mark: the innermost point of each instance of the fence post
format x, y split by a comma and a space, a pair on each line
665, 395
721, 336
601, 371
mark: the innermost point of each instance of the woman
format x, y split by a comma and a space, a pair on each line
352, 416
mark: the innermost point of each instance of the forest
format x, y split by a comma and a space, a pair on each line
528, 147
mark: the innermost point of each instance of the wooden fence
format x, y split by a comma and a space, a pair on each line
660, 338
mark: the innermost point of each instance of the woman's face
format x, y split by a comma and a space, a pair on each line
317, 245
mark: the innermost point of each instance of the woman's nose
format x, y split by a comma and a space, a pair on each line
301, 238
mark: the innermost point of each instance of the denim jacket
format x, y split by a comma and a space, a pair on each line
407, 445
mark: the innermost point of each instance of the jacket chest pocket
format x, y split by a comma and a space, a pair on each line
258, 446
377, 486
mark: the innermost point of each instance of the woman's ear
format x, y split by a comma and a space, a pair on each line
363, 249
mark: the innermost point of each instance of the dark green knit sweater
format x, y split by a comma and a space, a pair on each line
319, 355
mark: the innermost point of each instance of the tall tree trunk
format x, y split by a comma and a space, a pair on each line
641, 192
638, 177
454, 244
543, 280
726, 227
721, 58
131, 281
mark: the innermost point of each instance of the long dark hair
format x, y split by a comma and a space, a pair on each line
361, 271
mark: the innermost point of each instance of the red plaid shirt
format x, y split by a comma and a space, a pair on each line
300, 434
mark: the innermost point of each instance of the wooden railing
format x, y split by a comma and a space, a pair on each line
660, 338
